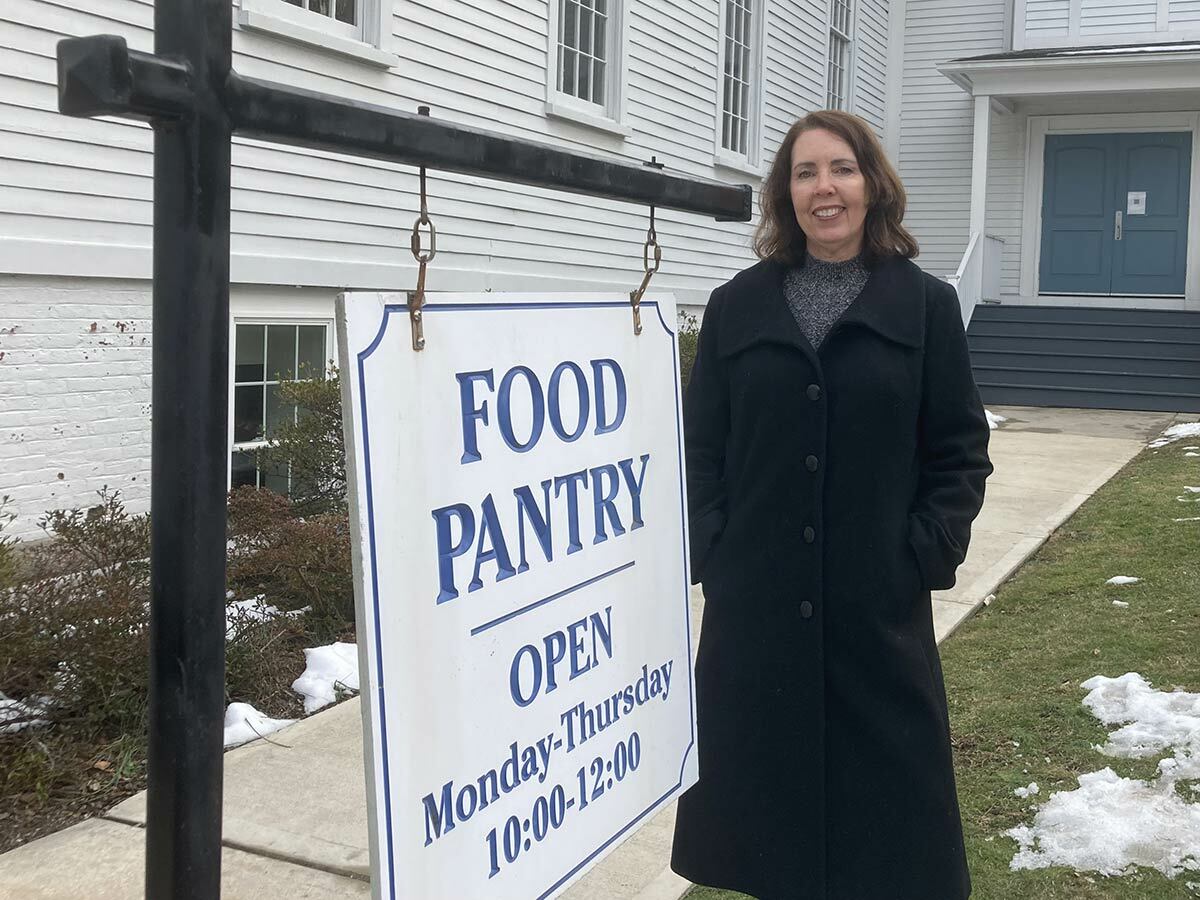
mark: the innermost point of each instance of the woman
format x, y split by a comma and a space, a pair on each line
837, 453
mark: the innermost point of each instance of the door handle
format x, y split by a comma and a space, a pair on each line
1117, 229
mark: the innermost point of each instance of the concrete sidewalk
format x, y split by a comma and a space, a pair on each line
295, 811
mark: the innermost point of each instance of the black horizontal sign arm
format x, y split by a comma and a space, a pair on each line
101, 76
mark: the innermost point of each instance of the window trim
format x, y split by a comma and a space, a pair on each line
750, 163
851, 39
611, 118
372, 45
281, 318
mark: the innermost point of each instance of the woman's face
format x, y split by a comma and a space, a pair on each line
829, 194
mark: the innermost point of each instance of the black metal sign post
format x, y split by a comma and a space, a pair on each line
189, 92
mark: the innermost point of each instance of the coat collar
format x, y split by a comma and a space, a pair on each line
891, 305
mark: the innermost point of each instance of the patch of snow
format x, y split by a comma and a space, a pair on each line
993, 419
1123, 579
1121, 603
1029, 791
1192, 490
1188, 519
1110, 823
244, 723
15, 715
1191, 454
330, 670
256, 609
1176, 433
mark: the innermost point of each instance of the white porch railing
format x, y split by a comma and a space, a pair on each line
978, 274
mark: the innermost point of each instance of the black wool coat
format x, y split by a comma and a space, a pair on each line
828, 493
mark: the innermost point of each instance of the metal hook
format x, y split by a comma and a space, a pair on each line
635, 296
416, 299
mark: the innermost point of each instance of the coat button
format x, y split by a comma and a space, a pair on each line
811, 463
814, 392
810, 534
806, 610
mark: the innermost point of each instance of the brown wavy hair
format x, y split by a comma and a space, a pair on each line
779, 236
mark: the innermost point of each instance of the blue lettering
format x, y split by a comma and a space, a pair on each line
471, 414
466, 809
577, 651
556, 649
526, 505
448, 549
635, 488
602, 629
556, 410
505, 415
602, 502
436, 814
489, 529
598, 368
572, 480
514, 675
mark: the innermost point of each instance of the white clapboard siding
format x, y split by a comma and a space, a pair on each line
302, 214
1184, 13
936, 125
1117, 17
1047, 17
794, 69
870, 76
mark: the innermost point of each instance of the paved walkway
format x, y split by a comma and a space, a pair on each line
295, 813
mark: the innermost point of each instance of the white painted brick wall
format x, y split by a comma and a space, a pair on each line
74, 394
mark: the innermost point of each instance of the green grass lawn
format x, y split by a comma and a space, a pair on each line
1013, 672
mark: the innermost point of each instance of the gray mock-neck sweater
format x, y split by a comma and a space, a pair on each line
819, 292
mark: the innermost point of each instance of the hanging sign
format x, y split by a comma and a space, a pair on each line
521, 574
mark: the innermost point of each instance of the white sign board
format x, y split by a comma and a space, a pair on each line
521, 575
1136, 203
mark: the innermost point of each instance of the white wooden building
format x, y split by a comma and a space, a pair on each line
1049, 151
706, 86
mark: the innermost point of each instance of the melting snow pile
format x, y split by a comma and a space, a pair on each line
1109, 822
330, 670
1177, 433
993, 419
15, 715
1123, 579
244, 723
1029, 791
239, 613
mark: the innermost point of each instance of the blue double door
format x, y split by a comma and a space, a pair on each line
1114, 214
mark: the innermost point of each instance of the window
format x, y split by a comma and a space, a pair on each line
583, 49
841, 36
265, 354
360, 29
338, 12
584, 83
740, 52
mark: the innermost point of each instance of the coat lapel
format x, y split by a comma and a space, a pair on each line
891, 304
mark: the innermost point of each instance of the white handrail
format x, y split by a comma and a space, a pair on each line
968, 279
978, 275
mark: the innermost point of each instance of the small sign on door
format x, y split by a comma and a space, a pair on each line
1136, 203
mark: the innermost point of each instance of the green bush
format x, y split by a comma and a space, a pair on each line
689, 332
76, 626
311, 447
8, 545
294, 562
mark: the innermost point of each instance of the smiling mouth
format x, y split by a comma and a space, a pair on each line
829, 212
